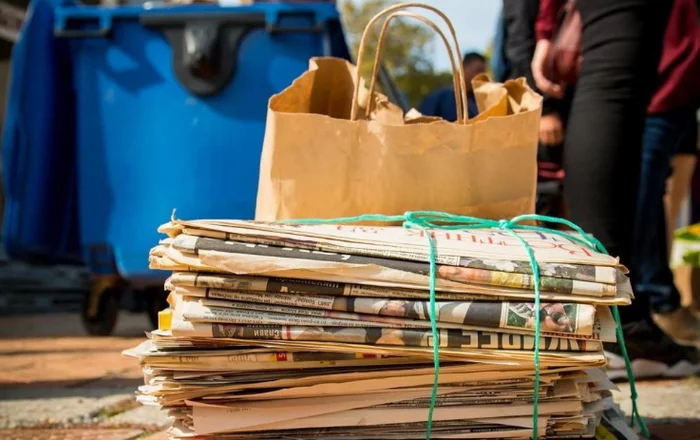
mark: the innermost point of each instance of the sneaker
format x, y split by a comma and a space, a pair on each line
681, 325
653, 354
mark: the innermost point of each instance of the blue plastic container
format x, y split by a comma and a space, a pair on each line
171, 105
39, 173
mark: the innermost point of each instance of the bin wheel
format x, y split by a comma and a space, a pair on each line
100, 310
156, 300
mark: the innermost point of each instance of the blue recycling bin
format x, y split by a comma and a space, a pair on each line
170, 105
38, 146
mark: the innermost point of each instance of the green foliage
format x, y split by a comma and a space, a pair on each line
407, 49
488, 54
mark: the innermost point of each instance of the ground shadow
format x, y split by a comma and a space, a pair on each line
674, 429
132, 325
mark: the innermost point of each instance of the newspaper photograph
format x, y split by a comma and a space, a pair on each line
193, 244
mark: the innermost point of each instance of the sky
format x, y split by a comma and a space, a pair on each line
473, 20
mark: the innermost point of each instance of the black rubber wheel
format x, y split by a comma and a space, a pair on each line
156, 300
103, 321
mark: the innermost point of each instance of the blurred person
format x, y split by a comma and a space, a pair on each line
498, 64
516, 40
621, 50
678, 185
441, 102
670, 130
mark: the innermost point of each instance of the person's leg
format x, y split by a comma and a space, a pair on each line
683, 166
664, 135
654, 281
677, 188
621, 46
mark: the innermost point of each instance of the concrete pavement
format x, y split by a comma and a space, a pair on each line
55, 378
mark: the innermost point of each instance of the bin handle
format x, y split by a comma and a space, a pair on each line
274, 22
277, 29
74, 33
68, 26
220, 38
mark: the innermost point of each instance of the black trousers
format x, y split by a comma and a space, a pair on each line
621, 46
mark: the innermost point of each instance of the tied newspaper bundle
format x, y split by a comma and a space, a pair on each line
324, 331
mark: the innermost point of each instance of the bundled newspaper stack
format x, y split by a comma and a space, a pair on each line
324, 332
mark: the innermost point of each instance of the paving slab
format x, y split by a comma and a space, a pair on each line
67, 324
65, 361
145, 415
52, 410
64, 379
70, 434
162, 435
663, 401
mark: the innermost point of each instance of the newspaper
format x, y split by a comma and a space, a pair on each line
613, 425
556, 317
305, 383
310, 286
161, 258
193, 244
580, 272
332, 271
184, 334
328, 413
409, 431
270, 365
484, 244
603, 328
383, 336
307, 287
195, 311
571, 271
281, 331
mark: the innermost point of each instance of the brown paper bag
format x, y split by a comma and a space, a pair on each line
320, 160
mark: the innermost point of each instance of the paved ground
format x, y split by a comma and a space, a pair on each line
57, 384
54, 377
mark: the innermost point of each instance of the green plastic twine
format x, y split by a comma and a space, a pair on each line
426, 220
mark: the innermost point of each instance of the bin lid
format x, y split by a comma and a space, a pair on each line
70, 15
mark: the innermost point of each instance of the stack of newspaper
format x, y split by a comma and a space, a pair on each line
324, 332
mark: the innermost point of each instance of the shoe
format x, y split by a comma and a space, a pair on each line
653, 354
681, 325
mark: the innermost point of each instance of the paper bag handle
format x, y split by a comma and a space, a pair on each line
462, 114
461, 110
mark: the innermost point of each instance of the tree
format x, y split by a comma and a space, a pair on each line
488, 54
407, 48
